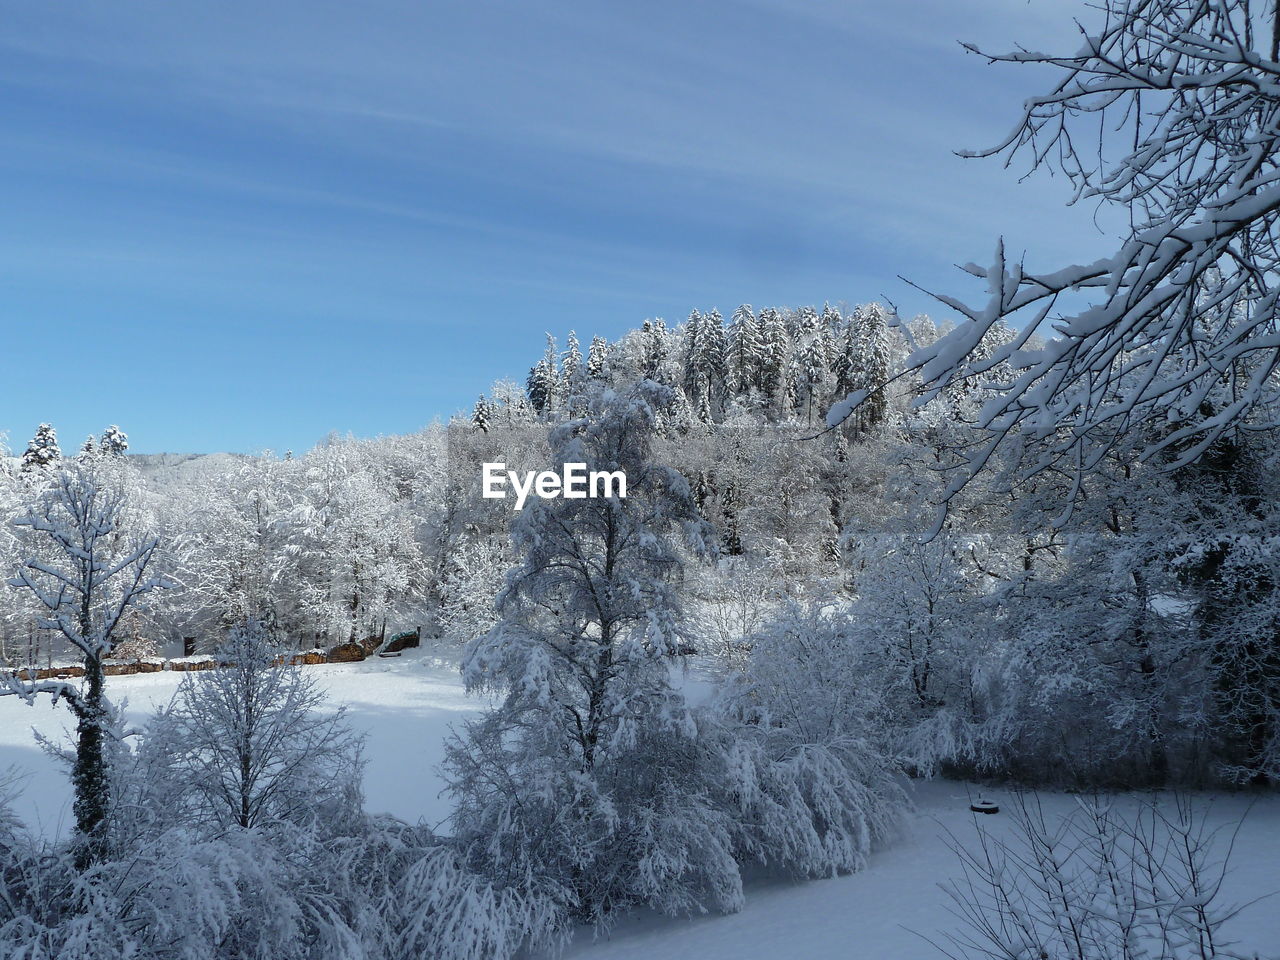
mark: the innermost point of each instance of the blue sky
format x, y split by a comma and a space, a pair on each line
239, 226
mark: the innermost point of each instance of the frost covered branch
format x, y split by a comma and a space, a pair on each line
1167, 112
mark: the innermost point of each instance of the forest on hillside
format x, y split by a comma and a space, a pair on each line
1119, 647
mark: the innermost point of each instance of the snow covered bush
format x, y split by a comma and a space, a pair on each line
250, 743
176, 895
419, 899
803, 748
1100, 884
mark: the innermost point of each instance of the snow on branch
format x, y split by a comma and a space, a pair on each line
1169, 113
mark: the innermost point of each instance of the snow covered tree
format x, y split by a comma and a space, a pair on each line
598, 358
572, 376
811, 373
42, 452
1167, 112
806, 768
540, 388
695, 360
744, 351
586, 774
862, 368
249, 743
114, 442
94, 580
653, 349
480, 415
713, 349
775, 349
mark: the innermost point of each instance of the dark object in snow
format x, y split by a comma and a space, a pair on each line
388, 653
984, 806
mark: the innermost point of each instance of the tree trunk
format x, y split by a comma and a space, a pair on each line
89, 774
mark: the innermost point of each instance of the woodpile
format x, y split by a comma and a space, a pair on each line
347, 653
350, 652
60, 672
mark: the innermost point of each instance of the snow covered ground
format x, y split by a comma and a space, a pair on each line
407, 705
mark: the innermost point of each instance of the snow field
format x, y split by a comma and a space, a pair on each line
406, 707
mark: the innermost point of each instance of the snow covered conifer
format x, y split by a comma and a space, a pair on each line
114, 441
480, 415
744, 357
539, 388
653, 347
42, 452
695, 371
775, 347
864, 365
598, 358
572, 375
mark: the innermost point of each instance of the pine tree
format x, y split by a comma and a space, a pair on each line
539, 388
847, 365
775, 348
871, 337
114, 442
714, 347
572, 376
554, 390
598, 358
744, 351
42, 452
481, 414
810, 373
653, 349
694, 361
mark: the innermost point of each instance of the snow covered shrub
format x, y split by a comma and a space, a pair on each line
247, 743
176, 895
1100, 884
803, 744
418, 899
474, 571
587, 780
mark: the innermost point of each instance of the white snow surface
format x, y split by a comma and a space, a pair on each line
407, 705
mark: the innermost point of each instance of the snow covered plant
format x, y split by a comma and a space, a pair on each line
1168, 113
803, 748
1099, 884
587, 780
86, 577
249, 743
